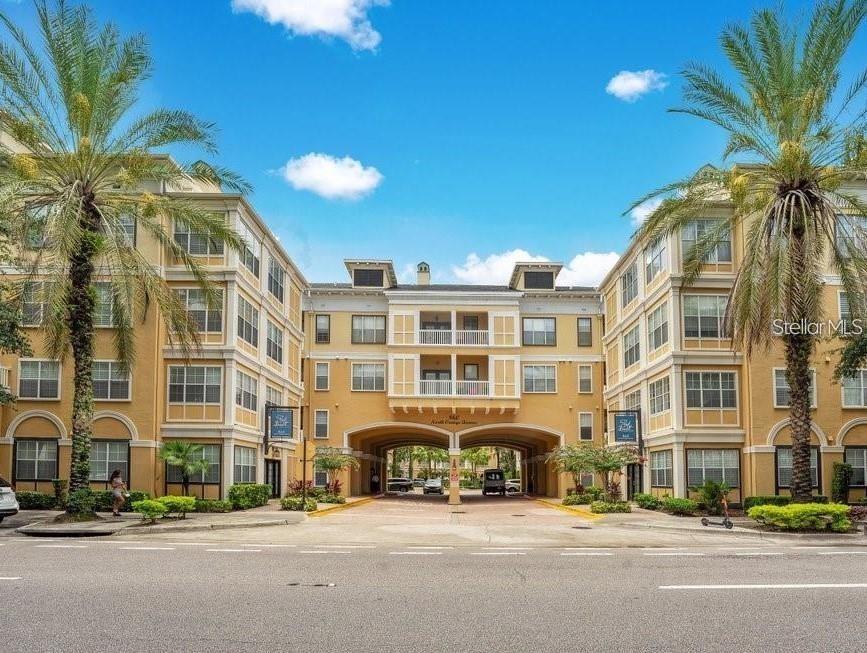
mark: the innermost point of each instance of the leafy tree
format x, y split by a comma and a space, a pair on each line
583, 458
73, 183
574, 459
187, 457
804, 138
332, 460
476, 456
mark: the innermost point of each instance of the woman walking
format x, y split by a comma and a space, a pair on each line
118, 492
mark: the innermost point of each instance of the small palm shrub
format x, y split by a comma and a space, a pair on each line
711, 495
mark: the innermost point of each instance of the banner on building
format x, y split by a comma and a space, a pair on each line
280, 422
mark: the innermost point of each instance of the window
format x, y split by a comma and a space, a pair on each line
368, 329
585, 378
35, 236
704, 316
655, 259
39, 379
320, 424
248, 322
719, 465
711, 390
368, 377
245, 465
273, 396
657, 327
127, 224
782, 396
208, 318
195, 384
659, 393
274, 342
35, 460
540, 378
660, 468
784, 467
694, 231
586, 479
197, 243
276, 279
251, 250
857, 457
855, 390
628, 285
540, 331
107, 456
103, 310
368, 278
32, 303
632, 401
321, 381
585, 426
320, 478
323, 329
110, 381
246, 391
631, 348
851, 234
211, 476
585, 332
538, 280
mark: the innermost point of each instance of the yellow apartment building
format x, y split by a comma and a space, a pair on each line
250, 356
708, 412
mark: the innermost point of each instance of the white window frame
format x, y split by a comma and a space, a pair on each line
112, 364
250, 254
693, 227
246, 391
545, 380
660, 402
629, 285
814, 466
655, 259
582, 417
588, 320
363, 377
316, 424
248, 322
657, 333
365, 331
41, 443
631, 343
316, 331
779, 374
537, 330
274, 348
129, 227
246, 467
718, 309
665, 470
111, 463
632, 400
214, 471
861, 388
276, 279
39, 380
183, 235
99, 310
204, 384
317, 376
208, 311
28, 291
589, 379
701, 374
320, 478
858, 462
704, 466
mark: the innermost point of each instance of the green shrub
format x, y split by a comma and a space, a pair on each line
213, 505
104, 499
249, 495
28, 500
61, 492
767, 500
578, 500
81, 501
610, 506
178, 505
647, 501
711, 495
295, 503
332, 498
840, 482
683, 507
804, 516
150, 509
594, 492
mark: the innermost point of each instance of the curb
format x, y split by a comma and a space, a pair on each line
338, 507
833, 539
586, 514
150, 529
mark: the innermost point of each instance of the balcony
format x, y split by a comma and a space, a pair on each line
465, 337
460, 388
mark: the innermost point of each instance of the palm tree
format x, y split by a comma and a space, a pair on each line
187, 457
75, 184
804, 140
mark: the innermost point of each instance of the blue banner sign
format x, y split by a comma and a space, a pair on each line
626, 427
280, 422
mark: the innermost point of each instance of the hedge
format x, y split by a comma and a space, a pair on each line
683, 507
103, 500
249, 495
178, 505
610, 506
804, 516
776, 500
150, 509
647, 501
577, 500
213, 505
295, 503
332, 498
28, 500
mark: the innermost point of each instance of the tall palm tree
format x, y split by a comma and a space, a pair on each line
74, 182
804, 138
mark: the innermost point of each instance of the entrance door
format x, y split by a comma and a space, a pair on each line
633, 480
272, 477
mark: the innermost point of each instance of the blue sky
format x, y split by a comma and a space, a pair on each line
472, 128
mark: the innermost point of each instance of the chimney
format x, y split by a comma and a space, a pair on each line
422, 274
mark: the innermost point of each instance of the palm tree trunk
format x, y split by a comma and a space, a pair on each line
80, 322
798, 350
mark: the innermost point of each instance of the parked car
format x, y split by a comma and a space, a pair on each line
418, 482
8, 501
399, 485
494, 482
513, 485
433, 486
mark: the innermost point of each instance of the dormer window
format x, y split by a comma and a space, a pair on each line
538, 280
367, 278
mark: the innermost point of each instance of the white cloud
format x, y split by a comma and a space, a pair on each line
330, 177
643, 211
586, 269
344, 19
630, 85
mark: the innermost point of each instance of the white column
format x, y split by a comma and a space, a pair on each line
454, 326
454, 385
678, 470
228, 465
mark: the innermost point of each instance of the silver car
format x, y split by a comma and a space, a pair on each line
513, 485
433, 486
8, 502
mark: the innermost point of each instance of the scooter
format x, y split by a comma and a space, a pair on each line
726, 520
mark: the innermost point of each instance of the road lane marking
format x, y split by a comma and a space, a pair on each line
272, 546
344, 546
60, 546
10, 577
507, 548
761, 553
326, 552
586, 553
586, 548
191, 543
499, 553
146, 548
430, 547
233, 550
843, 553
781, 586
681, 553
415, 553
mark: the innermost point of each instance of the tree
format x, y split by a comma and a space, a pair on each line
187, 457
583, 458
74, 181
804, 140
476, 456
610, 461
574, 459
332, 460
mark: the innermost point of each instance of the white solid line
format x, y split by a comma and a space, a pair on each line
765, 586
191, 543
323, 551
430, 547
663, 548
146, 548
507, 548
10, 577
499, 553
60, 546
234, 550
842, 553
762, 553
344, 546
586, 548
684, 553
272, 546
415, 553
587, 553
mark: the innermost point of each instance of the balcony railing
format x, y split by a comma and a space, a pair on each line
435, 337
471, 337
472, 388
446, 388
436, 388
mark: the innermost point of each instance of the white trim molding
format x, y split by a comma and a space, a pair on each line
51, 417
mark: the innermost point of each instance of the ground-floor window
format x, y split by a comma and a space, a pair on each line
587, 480
320, 479
719, 465
35, 460
857, 457
245, 465
107, 456
211, 453
784, 467
660, 468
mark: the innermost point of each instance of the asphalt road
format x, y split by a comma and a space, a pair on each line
188, 595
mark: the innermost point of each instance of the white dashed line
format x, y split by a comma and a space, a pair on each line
273, 546
672, 554
327, 552
146, 548
586, 553
766, 587
60, 546
415, 553
430, 547
10, 577
842, 553
345, 546
499, 553
507, 548
762, 553
233, 550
